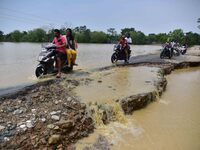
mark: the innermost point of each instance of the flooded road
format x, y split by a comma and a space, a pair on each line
171, 123
19, 60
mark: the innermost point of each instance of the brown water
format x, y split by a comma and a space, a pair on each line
172, 123
18, 60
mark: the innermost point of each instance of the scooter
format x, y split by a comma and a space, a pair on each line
47, 59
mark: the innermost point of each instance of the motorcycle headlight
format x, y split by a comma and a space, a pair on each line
115, 48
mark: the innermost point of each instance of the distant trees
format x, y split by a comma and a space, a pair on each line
36, 35
177, 35
162, 37
112, 35
16, 35
84, 35
138, 37
98, 37
151, 38
1, 36
127, 30
192, 38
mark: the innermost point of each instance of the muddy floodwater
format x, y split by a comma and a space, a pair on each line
171, 123
19, 60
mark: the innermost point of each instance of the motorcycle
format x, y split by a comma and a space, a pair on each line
183, 49
47, 59
119, 54
166, 52
175, 51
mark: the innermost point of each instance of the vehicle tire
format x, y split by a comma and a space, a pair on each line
171, 53
114, 58
183, 52
40, 71
178, 53
162, 55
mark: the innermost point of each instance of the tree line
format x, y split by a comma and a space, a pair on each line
84, 35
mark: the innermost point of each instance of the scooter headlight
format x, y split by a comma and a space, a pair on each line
40, 58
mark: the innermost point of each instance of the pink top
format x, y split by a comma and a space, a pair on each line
59, 41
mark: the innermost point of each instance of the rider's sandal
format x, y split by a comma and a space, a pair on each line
75, 64
58, 76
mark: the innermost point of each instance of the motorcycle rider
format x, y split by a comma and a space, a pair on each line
174, 46
124, 46
60, 43
70, 47
128, 38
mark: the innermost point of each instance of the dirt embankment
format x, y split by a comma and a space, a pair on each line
44, 115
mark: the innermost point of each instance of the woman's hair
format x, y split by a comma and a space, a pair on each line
70, 35
56, 30
70, 31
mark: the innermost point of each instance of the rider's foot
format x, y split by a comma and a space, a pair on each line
58, 75
75, 64
69, 65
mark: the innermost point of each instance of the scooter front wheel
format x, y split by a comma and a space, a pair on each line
40, 71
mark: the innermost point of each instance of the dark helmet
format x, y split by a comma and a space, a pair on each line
127, 34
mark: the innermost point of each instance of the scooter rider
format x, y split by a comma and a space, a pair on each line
60, 43
70, 47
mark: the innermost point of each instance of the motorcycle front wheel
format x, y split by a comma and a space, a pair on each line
162, 55
40, 71
114, 58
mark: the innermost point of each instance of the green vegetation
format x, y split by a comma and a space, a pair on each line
85, 35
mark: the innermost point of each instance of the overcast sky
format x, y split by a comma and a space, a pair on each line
148, 16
